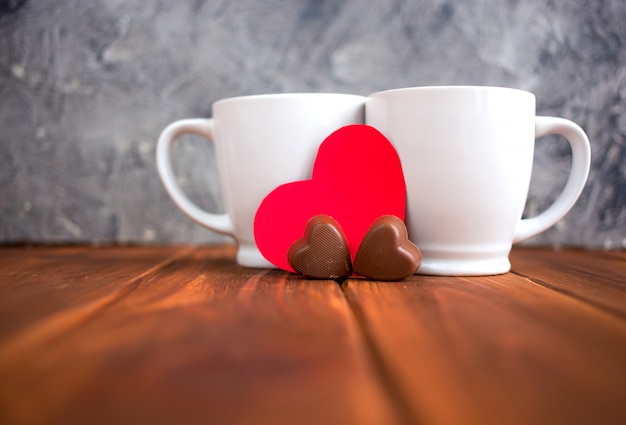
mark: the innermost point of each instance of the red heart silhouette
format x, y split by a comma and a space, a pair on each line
357, 177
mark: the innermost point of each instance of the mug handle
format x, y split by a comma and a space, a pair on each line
581, 161
202, 127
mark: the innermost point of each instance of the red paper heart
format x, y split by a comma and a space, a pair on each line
357, 177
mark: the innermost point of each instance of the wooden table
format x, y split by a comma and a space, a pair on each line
183, 335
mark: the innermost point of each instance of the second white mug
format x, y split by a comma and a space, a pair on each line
467, 155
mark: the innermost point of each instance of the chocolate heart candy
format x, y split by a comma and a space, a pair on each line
386, 252
322, 253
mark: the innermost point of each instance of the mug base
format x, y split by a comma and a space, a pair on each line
447, 267
250, 256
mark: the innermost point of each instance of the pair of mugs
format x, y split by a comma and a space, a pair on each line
466, 153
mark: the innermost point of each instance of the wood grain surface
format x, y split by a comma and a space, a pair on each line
496, 350
593, 276
184, 335
177, 337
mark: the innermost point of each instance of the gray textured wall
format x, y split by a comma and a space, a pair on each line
86, 87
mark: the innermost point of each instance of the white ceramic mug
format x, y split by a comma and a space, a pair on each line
261, 142
467, 155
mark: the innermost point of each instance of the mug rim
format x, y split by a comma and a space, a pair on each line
294, 95
456, 88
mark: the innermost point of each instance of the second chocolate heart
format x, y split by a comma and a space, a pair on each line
386, 252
